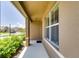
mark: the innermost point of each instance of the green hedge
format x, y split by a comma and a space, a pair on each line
8, 46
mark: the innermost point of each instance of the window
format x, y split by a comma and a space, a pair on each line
52, 30
56, 15
47, 29
46, 21
47, 33
55, 34
55, 28
52, 17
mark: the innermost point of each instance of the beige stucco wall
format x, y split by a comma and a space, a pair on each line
35, 30
69, 28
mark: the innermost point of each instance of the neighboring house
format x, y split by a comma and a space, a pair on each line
55, 23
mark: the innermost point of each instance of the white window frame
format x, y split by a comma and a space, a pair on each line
52, 25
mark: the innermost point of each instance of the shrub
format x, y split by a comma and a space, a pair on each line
8, 46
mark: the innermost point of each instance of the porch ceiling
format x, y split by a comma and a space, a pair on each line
35, 10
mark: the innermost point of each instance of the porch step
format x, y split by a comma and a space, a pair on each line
36, 50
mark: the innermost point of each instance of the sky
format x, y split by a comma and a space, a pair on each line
10, 15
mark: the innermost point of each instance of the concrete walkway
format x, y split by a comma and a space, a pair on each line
36, 50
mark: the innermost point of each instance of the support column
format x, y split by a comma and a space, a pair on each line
28, 32
27, 29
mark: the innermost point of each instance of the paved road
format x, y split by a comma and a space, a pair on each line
5, 35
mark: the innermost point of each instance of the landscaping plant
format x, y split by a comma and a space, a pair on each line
9, 46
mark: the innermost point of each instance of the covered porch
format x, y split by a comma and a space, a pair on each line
35, 13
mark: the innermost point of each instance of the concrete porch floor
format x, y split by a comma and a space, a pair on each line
35, 50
